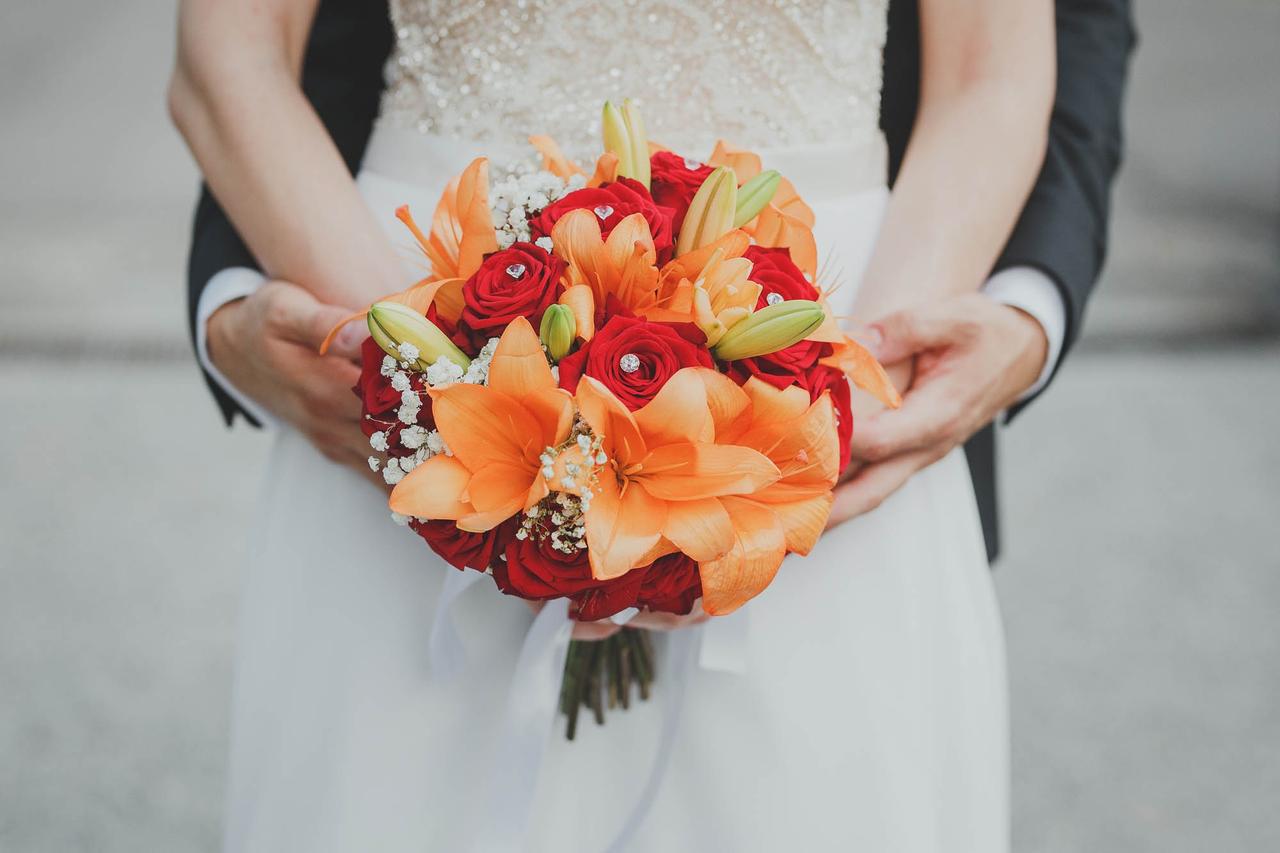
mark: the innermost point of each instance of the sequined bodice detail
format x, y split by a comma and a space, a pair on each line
760, 73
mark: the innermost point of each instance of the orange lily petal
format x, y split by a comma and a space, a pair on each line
750, 565
678, 413
623, 527
519, 364
745, 164
434, 489
606, 170
582, 303
864, 371
611, 420
500, 486
553, 159
803, 521
483, 427
685, 472
702, 529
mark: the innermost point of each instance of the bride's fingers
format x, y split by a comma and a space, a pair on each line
873, 484
595, 630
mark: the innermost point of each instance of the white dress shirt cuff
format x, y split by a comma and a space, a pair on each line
1030, 290
226, 286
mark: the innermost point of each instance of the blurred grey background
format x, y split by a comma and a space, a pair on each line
1140, 583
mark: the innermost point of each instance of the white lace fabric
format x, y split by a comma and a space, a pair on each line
766, 74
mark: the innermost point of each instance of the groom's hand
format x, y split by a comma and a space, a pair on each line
973, 358
267, 346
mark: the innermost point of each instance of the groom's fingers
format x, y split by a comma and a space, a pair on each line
907, 333
297, 316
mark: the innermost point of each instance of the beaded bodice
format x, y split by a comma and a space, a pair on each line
761, 73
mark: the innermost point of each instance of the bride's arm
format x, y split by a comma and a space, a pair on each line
235, 97
986, 90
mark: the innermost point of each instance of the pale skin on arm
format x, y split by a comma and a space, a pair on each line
236, 98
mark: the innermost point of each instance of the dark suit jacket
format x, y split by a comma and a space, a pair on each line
1062, 231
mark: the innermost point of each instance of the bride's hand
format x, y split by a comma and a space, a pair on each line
582, 630
651, 621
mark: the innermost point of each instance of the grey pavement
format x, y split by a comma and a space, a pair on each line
1140, 584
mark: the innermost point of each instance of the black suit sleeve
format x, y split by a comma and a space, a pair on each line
342, 77
1063, 228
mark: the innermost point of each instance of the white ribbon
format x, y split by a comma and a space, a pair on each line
532, 702
445, 648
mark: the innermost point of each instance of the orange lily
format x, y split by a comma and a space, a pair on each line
666, 473
622, 266
789, 514
496, 434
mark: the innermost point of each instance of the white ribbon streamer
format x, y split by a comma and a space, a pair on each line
532, 702
445, 648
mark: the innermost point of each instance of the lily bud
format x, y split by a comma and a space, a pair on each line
393, 325
639, 142
771, 328
617, 138
754, 195
557, 331
711, 212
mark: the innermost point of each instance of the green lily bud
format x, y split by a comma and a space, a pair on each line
617, 138
771, 328
754, 195
711, 212
557, 331
639, 142
400, 330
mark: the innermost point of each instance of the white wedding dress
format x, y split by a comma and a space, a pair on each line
858, 704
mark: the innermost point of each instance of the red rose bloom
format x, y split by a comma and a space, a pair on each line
837, 383
671, 585
522, 281
460, 548
775, 272
655, 351
537, 571
612, 203
674, 184
608, 598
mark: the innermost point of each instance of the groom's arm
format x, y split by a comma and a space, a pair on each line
1063, 228
342, 77
986, 357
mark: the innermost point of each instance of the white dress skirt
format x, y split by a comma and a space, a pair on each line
862, 706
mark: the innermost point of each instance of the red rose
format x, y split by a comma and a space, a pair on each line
654, 351
674, 183
608, 598
377, 397
837, 383
612, 203
671, 585
537, 571
460, 548
775, 272
522, 281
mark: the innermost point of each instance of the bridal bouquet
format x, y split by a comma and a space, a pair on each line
622, 388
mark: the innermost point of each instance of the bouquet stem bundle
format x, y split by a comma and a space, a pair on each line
600, 674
